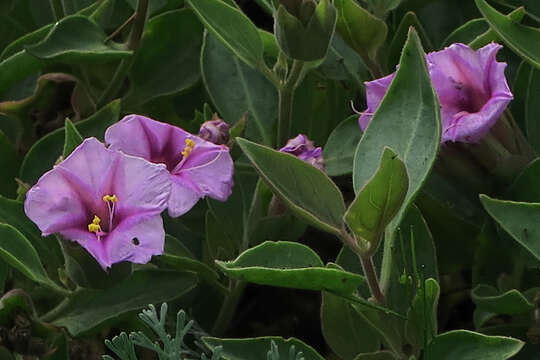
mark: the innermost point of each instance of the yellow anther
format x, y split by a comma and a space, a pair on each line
112, 198
94, 225
190, 144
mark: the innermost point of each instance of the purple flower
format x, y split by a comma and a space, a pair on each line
471, 86
216, 131
197, 167
108, 202
303, 148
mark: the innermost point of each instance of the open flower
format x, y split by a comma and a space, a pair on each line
471, 86
303, 148
108, 202
197, 167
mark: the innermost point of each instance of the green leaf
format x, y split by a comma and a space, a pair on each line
44, 153
521, 220
345, 330
400, 37
407, 120
73, 138
490, 35
421, 324
247, 90
17, 251
378, 201
10, 162
524, 40
76, 39
28, 39
510, 303
409, 256
532, 107
525, 186
16, 69
363, 32
166, 65
90, 308
467, 32
306, 40
232, 28
257, 348
468, 345
338, 153
377, 355
289, 264
305, 189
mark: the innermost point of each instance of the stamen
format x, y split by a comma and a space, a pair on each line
111, 200
94, 225
190, 144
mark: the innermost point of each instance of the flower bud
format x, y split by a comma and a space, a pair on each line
216, 131
303, 148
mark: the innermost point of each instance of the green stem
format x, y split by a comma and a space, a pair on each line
371, 277
54, 312
286, 100
132, 44
228, 308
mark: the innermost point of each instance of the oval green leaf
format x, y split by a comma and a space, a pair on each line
257, 348
407, 120
165, 65
232, 28
379, 200
308, 191
468, 345
510, 303
89, 308
521, 220
291, 265
339, 150
76, 39
524, 40
247, 90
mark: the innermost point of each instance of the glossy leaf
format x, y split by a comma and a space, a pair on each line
400, 37
490, 35
173, 59
363, 32
521, 220
524, 40
89, 308
509, 303
246, 90
44, 153
407, 120
232, 28
468, 345
421, 325
17, 251
72, 139
257, 348
379, 200
345, 330
338, 153
305, 189
289, 264
76, 39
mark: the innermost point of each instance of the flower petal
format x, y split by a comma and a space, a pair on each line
183, 196
208, 171
152, 140
136, 239
375, 91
